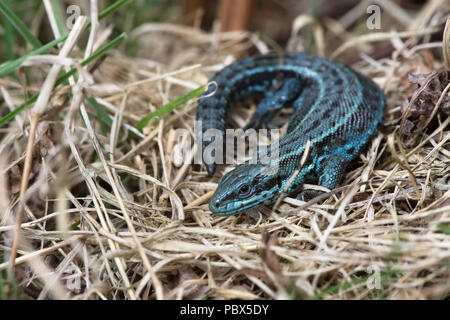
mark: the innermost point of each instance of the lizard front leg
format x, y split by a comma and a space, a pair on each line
330, 171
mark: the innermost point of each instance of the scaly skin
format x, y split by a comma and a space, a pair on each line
337, 109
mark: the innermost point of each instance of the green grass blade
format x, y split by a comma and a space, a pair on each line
9, 37
17, 110
3, 294
19, 25
64, 77
169, 107
348, 284
13, 65
337, 287
97, 54
102, 115
58, 16
445, 228
112, 8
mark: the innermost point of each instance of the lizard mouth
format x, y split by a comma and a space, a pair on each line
227, 211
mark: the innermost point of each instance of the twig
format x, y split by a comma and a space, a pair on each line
293, 176
38, 109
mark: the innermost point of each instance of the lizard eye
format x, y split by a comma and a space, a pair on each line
244, 190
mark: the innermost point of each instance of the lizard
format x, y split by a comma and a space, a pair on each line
336, 112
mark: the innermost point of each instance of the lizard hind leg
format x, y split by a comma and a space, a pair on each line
289, 90
330, 171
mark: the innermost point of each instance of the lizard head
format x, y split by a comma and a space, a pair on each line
245, 187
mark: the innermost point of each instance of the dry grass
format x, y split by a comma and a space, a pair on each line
115, 218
